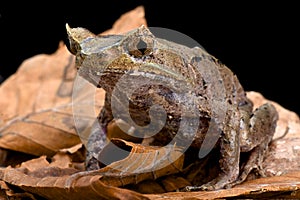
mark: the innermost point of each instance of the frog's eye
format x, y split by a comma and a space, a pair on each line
141, 48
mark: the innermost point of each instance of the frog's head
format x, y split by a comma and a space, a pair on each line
137, 42
95, 53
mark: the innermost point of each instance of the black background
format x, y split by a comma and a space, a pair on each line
260, 43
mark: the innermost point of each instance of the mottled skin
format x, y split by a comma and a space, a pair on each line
140, 55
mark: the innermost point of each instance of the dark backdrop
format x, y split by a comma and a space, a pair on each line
258, 42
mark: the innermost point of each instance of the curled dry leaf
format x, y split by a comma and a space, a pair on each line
142, 163
49, 180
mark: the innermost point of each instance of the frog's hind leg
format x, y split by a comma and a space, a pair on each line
257, 132
230, 155
254, 162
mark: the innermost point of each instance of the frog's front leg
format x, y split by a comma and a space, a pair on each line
257, 131
98, 137
96, 142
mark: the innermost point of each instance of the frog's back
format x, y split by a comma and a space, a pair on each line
195, 59
234, 90
232, 87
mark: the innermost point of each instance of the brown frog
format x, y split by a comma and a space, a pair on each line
199, 102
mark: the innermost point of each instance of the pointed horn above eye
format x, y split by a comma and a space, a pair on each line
76, 36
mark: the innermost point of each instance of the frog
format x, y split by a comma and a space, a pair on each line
180, 70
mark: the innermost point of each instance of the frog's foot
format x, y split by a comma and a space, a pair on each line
216, 184
255, 161
71, 181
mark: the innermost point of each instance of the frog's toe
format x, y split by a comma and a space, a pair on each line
190, 188
261, 172
72, 179
197, 188
212, 185
234, 183
207, 187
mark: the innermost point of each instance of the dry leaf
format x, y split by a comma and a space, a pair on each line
173, 183
37, 110
148, 187
52, 187
13, 158
34, 164
7, 193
